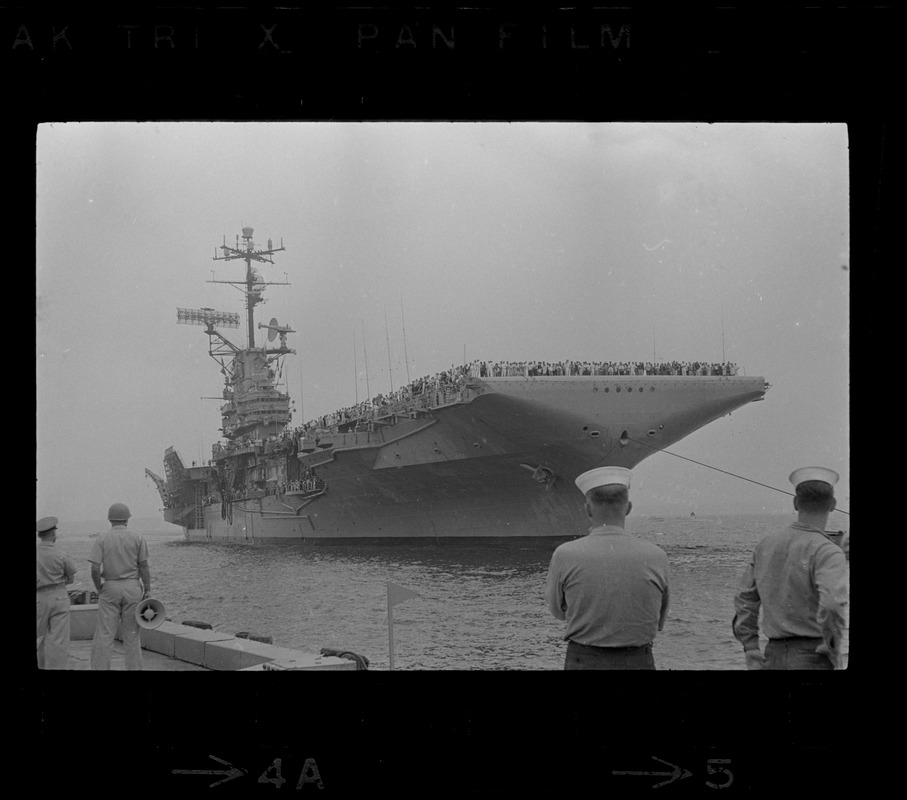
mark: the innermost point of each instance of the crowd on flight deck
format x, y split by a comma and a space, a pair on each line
454, 378
445, 387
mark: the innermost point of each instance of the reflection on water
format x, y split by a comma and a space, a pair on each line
478, 606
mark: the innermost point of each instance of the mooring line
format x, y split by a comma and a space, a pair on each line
732, 474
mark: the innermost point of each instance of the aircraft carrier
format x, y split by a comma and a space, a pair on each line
472, 455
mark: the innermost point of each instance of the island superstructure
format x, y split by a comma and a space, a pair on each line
473, 454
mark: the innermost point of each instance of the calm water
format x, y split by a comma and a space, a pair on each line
480, 607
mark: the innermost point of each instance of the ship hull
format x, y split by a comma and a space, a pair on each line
484, 499
499, 467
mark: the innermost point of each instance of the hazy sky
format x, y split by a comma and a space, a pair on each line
523, 241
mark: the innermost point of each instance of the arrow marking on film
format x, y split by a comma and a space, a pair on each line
677, 773
233, 772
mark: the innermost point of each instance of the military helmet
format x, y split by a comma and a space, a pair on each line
119, 512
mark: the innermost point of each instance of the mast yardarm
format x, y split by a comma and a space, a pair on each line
254, 406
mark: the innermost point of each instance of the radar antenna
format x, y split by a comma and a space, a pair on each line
208, 317
252, 286
274, 330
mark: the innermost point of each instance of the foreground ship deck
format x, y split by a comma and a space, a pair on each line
173, 647
80, 659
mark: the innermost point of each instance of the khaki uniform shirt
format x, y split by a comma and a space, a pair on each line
799, 579
53, 567
610, 587
119, 552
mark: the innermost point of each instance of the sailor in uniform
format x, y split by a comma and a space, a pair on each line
610, 587
54, 571
798, 577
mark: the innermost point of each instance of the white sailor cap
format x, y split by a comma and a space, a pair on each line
46, 524
813, 474
603, 476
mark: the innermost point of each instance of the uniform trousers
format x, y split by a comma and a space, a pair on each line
581, 656
116, 609
52, 605
798, 652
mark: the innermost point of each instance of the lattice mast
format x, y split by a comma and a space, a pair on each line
253, 283
253, 401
